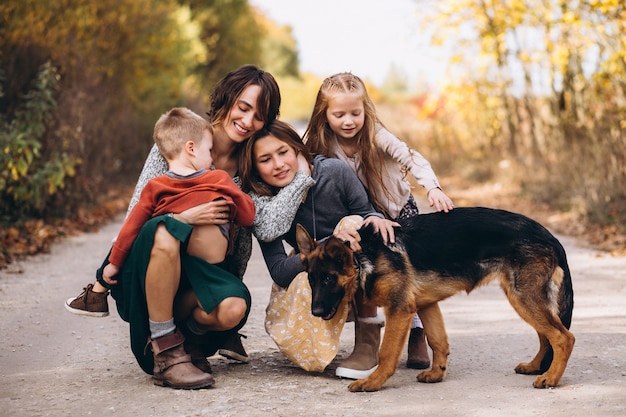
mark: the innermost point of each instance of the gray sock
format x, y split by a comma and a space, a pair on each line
161, 328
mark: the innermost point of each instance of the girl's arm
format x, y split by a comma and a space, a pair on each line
275, 214
418, 165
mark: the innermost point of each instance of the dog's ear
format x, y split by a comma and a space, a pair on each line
338, 250
305, 243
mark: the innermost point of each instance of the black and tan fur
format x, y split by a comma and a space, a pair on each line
436, 256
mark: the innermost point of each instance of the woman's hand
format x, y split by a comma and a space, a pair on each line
215, 212
303, 164
350, 236
438, 199
384, 227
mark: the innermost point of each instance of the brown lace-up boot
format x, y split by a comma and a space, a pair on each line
89, 303
172, 365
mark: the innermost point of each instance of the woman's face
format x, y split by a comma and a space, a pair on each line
275, 161
243, 120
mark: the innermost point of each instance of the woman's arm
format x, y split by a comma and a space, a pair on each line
282, 268
274, 215
154, 166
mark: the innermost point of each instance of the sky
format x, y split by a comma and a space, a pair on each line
365, 37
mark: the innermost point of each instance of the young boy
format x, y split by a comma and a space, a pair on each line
184, 140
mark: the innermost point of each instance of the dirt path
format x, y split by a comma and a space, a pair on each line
53, 363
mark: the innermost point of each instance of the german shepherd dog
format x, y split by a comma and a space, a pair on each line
436, 256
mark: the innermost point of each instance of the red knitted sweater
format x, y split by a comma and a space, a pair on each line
164, 194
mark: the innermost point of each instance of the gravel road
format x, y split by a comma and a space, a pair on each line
53, 363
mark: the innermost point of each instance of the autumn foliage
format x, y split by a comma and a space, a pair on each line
535, 98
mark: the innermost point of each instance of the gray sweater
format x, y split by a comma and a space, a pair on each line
337, 193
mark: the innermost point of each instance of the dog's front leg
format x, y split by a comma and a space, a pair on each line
435, 330
396, 332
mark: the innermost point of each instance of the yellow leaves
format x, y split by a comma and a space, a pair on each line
569, 18
606, 6
560, 56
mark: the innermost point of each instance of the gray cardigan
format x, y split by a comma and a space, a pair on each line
269, 226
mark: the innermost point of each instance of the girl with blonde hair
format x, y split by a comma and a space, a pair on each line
344, 125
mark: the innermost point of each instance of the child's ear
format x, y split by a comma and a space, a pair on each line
190, 147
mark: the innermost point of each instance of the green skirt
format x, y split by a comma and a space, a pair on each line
210, 283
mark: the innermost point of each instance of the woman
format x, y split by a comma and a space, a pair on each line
269, 162
161, 286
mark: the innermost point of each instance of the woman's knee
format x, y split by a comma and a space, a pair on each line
227, 315
164, 243
232, 311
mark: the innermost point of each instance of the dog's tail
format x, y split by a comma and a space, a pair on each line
566, 295
566, 301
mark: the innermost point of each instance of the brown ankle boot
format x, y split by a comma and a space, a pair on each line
418, 351
172, 365
233, 349
364, 358
198, 357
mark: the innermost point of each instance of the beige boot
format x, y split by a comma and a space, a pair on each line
172, 365
364, 358
418, 351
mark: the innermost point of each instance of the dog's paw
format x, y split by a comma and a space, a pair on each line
430, 376
527, 368
544, 381
361, 385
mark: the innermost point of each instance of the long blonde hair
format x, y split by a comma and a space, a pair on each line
319, 137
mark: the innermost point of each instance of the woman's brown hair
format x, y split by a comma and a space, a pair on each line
248, 173
229, 89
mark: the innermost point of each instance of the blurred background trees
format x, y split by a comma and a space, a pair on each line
539, 92
535, 97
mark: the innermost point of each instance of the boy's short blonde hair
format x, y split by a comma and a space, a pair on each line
176, 127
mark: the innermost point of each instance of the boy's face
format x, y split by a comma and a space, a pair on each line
345, 114
203, 152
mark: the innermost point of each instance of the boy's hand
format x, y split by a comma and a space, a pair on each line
109, 272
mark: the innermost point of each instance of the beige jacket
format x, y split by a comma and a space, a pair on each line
398, 158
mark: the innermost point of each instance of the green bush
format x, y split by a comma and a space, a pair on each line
28, 180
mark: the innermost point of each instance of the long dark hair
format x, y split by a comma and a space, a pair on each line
248, 173
228, 89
